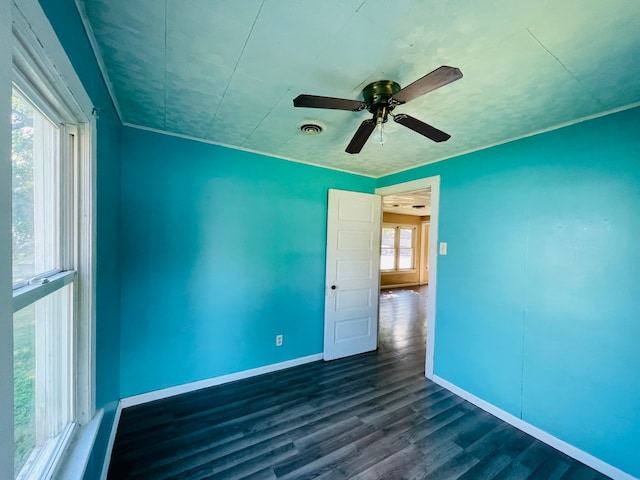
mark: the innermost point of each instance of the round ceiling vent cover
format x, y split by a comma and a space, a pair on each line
310, 128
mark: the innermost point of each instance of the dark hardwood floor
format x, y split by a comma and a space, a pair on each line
372, 416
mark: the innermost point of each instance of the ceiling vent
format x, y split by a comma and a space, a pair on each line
311, 129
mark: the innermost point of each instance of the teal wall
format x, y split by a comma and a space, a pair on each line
66, 21
538, 307
205, 254
221, 251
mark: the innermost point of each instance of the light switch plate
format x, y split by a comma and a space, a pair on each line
443, 248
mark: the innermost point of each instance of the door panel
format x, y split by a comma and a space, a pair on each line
352, 329
352, 275
353, 299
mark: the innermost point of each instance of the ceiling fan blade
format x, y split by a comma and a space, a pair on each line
315, 101
421, 127
365, 130
440, 77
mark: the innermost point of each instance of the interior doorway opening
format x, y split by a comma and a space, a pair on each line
404, 253
389, 194
404, 273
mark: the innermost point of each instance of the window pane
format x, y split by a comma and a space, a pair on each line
34, 160
387, 259
406, 258
388, 237
41, 356
406, 237
24, 371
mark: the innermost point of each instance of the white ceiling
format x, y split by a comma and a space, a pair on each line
408, 203
227, 72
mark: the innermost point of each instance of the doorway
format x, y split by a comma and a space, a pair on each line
405, 235
402, 324
433, 185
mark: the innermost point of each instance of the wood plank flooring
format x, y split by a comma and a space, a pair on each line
372, 416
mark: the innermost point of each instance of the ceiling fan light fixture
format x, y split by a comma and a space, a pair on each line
380, 137
380, 113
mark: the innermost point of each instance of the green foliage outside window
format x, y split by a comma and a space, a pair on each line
23, 248
22, 166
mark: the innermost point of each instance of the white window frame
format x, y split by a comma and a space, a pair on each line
396, 263
44, 74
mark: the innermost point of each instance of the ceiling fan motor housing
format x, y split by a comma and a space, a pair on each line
377, 96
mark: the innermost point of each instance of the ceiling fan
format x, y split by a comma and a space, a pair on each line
380, 98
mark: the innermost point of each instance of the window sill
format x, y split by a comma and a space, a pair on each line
44, 460
76, 457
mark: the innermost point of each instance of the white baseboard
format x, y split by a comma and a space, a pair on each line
112, 439
535, 432
190, 387
211, 382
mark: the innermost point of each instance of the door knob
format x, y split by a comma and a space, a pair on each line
333, 287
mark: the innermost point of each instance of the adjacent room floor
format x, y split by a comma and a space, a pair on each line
372, 416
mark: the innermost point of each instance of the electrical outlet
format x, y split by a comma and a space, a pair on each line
278, 340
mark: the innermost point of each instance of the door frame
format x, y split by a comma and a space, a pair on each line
434, 184
424, 254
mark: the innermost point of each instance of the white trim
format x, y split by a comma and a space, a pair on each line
111, 441
415, 185
47, 459
555, 442
77, 458
85, 262
211, 382
51, 53
424, 253
6, 307
244, 149
407, 187
29, 294
59, 450
30, 89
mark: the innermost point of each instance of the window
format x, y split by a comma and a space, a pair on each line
397, 248
388, 250
36, 197
52, 266
43, 278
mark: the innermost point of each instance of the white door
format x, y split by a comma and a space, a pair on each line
352, 279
